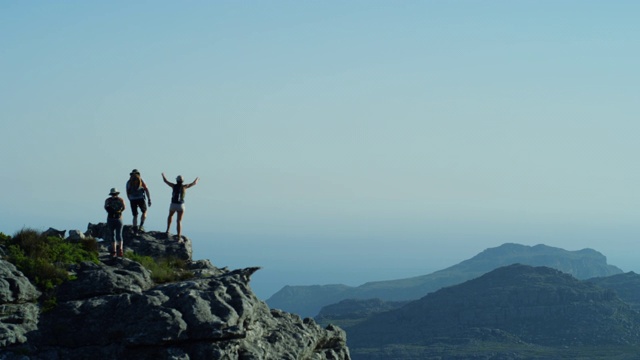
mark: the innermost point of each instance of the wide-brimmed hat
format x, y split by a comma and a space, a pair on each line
134, 171
114, 191
179, 178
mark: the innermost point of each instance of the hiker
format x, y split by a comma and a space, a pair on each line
114, 205
136, 191
177, 202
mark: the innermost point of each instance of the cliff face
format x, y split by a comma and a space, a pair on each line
114, 310
18, 309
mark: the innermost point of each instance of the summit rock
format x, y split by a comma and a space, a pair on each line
115, 310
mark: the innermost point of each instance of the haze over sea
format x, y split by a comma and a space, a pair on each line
336, 142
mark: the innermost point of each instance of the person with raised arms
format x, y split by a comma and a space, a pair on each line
177, 202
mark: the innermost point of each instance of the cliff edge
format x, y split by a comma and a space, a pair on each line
113, 309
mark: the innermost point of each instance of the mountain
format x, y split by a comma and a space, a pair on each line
116, 308
351, 311
513, 312
626, 285
308, 300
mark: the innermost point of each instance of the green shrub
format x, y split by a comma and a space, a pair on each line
163, 270
49, 303
45, 259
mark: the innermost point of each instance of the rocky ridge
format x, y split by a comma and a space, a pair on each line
518, 306
309, 300
114, 310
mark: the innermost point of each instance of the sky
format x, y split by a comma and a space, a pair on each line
335, 141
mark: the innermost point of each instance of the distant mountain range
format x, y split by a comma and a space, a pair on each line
307, 301
513, 312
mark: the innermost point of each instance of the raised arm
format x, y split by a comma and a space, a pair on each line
167, 181
193, 183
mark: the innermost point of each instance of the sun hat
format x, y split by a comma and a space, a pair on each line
114, 191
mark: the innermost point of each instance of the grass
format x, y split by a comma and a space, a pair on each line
164, 269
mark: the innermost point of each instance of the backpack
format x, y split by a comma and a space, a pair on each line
114, 207
177, 196
133, 192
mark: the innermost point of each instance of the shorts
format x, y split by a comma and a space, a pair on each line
138, 203
176, 207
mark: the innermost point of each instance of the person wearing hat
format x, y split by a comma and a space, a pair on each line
136, 191
114, 205
177, 202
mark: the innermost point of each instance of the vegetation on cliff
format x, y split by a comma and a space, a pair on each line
45, 259
163, 270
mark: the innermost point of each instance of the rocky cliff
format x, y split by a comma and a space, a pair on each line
114, 310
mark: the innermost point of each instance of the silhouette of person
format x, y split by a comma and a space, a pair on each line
114, 205
177, 202
136, 191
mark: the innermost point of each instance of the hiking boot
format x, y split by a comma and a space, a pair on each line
141, 229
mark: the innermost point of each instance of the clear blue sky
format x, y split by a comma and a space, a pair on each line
336, 142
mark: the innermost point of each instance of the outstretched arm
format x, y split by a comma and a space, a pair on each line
193, 183
167, 181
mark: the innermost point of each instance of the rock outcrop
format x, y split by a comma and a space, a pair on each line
114, 310
18, 305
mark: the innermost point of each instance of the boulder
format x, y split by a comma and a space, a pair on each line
98, 231
16, 321
122, 276
155, 244
152, 243
75, 235
54, 232
18, 308
14, 286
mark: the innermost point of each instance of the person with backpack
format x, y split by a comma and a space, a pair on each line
177, 202
136, 191
114, 205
